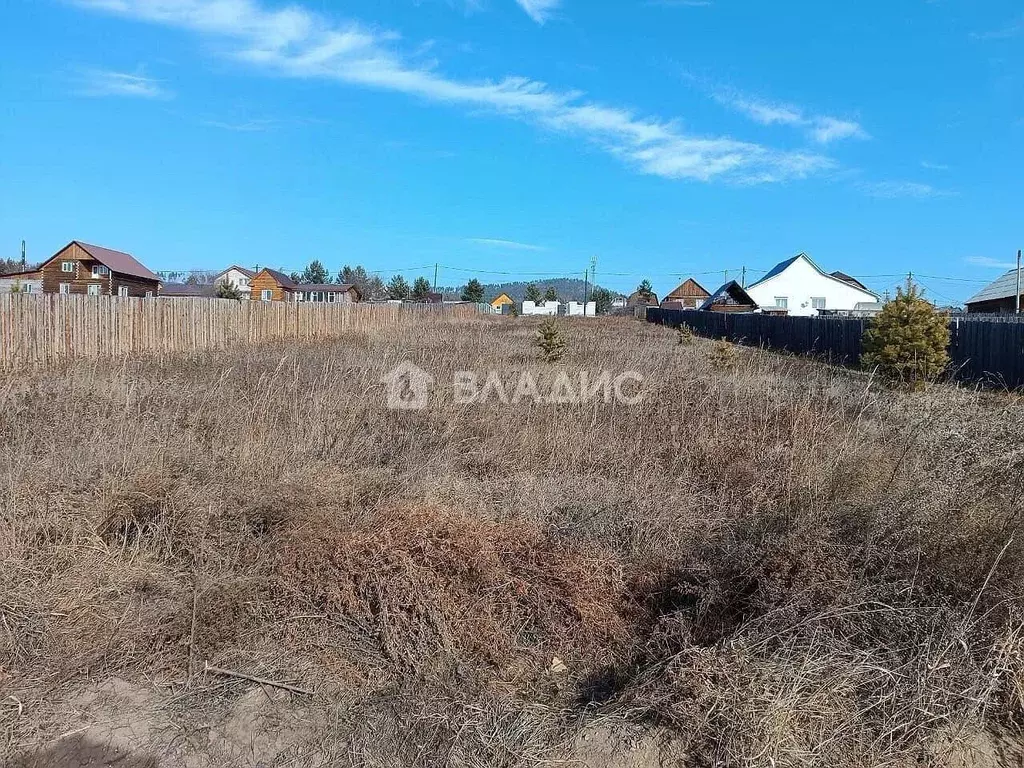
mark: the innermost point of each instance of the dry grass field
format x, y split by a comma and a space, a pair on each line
768, 562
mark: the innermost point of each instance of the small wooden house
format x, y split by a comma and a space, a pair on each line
501, 301
271, 285
638, 299
731, 297
89, 269
689, 295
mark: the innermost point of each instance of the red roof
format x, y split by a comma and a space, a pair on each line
117, 261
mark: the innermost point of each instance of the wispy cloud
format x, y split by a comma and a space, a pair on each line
891, 190
821, 128
295, 42
512, 244
1013, 29
988, 261
246, 126
105, 82
680, 3
934, 166
539, 10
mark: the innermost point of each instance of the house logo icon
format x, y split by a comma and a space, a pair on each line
408, 387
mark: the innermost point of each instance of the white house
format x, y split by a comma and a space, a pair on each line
239, 277
540, 308
801, 287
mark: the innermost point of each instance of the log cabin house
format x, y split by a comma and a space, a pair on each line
689, 295
89, 269
271, 285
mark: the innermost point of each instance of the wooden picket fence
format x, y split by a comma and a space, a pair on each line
43, 329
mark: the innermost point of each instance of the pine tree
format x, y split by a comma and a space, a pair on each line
907, 342
474, 291
315, 273
398, 288
532, 293
421, 289
228, 291
645, 289
602, 299
550, 341
550, 294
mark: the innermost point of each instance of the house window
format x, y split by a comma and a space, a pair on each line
817, 302
122, 290
26, 288
267, 294
64, 288
782, 302
98, 270
93, 289
67, 266
149, 294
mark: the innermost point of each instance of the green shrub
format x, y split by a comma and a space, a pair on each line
550, 341
685, 334
906, 344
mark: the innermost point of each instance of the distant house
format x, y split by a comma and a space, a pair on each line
619, 302
731, 297
30, 281
498, 303
540, 308
999, 296
328, 293
271, 285
638, 299
689, 295
238, 278
798, 286
89, 269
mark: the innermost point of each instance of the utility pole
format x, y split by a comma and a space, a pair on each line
726, 275
586, 276
435, 277
593, 283
743, 279
1018, 281
24, 263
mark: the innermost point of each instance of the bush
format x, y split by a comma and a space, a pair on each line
723, 355
908, 340
228, 291
685, 334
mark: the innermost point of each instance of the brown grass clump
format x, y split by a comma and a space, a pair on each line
764, 561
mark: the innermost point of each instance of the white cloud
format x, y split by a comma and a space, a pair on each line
498, 243
539, 10
890, 190
248, 126
297, 43
988, 261
104, 82
821, 128
934, 166
1011, 30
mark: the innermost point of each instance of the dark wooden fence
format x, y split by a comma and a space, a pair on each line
988, 350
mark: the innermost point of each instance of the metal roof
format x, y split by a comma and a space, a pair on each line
731, 293
117, 261
782, 266
1003, 288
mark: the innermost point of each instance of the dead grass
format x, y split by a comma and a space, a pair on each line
768, 559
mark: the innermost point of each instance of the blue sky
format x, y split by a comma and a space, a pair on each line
517, 138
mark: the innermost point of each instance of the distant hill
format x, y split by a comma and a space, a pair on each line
568, 289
